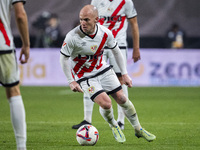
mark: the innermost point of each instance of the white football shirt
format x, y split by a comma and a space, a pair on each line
6, 38
113, 14
86, 52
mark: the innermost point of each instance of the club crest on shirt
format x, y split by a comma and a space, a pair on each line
93, 48
91, 89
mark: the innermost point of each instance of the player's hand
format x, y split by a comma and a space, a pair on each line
136, 55
75, 87
24, 55
127, 80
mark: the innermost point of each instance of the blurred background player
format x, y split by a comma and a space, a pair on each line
9, 73
175, 37
52, 33
40, 25
115, 15
47, 26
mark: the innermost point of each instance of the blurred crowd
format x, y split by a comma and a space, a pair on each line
48, 30
47, 34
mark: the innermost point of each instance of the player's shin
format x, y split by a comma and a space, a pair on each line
131, 114
88, 108
17, 113
121, 116
108, 116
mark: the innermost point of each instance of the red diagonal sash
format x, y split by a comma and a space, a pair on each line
112, 23
2, 29
93, 61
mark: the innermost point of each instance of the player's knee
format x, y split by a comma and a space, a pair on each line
12, 91
122, 99
106, 104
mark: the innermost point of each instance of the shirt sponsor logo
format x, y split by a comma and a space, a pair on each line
111, 18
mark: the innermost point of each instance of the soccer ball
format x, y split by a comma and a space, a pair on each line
87, 135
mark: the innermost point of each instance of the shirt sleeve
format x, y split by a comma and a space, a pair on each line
93, 2
119, 59
130, 9
15, 1
68, 46
111, 42
65, 65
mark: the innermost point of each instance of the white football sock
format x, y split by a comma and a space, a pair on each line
121, 115
130, 113
88, 108
108, 116
17, 113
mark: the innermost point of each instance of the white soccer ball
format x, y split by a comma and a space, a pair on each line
87, 135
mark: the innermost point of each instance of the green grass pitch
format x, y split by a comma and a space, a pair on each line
171, 113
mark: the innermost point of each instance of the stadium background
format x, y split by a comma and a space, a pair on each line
154, 18
171, 113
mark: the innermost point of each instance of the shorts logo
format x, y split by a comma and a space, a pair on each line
93, 48
91, 89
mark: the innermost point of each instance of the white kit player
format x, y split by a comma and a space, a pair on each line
115, 15
9, 73
82, 61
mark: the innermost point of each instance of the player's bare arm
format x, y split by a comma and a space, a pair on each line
65, 64
136, 41
22, 24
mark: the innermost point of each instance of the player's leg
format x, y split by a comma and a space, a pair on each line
128, 108
93, 88
17, 114
106, 111
106, 108
131, 114
107, 55
121, 116
112, 86
11, 83
88, 108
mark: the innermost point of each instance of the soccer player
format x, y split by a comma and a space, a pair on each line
115, 15
9, 73
86, 71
